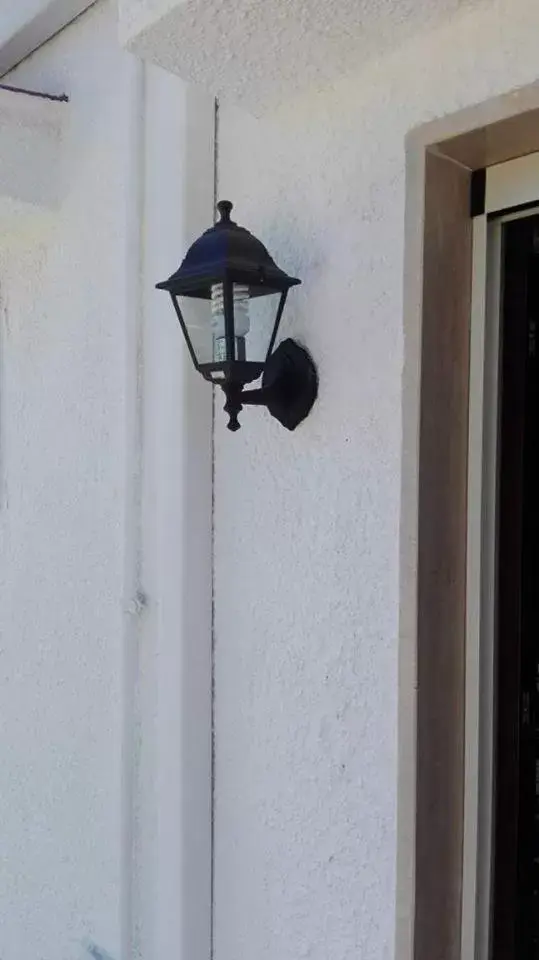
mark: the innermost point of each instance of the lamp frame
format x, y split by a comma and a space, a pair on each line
228, 254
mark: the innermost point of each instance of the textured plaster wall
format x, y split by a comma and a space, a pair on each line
30, 158
62, 461
307, 525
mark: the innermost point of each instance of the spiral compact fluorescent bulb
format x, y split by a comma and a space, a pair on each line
241, 321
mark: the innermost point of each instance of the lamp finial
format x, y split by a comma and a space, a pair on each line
225, 209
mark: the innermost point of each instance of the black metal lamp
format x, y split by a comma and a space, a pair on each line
231, 344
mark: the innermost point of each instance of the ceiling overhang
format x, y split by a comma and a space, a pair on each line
261, 52
25, 25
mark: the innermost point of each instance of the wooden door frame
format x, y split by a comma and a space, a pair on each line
440, 160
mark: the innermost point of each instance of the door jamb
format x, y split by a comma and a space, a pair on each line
440, 159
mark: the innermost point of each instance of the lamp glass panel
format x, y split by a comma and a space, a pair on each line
263, 314
197, 318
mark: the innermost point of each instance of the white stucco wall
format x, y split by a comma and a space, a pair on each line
62, 456
31, 178
307, 525
105, 526
104, 490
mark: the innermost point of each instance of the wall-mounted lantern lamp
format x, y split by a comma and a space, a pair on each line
232, 299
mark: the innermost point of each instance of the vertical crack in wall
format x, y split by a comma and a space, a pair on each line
212, 841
